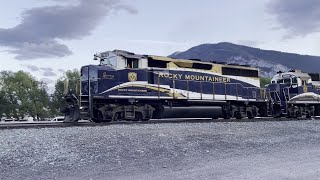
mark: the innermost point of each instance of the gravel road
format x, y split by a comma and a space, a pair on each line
224, 150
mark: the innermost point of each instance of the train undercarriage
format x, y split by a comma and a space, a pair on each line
106, 110
296, 110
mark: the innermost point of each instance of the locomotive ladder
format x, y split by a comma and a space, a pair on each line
84, 107
85, 102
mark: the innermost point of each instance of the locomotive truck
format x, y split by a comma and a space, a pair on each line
128, 86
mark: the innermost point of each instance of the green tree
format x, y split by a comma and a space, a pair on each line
57, 101
264, 81
3, 103
22, 94
10, 98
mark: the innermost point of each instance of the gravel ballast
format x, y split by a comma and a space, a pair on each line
224, 150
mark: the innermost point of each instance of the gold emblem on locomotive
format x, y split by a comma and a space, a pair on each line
132, 76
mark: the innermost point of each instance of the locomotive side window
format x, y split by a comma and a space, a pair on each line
132, 63
239, 72
201, 66
314, 76
135, 63
93, 74
304, 83
158, 64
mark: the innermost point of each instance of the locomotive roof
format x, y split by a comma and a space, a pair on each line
298, 73
163, 58
128, 54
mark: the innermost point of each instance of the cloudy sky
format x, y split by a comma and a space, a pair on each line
48, 37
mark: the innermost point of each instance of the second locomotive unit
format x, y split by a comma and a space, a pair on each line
294, 94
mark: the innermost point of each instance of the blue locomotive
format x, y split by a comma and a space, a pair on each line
294, 94
127, 86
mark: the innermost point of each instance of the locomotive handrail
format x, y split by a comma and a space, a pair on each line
213, 92
80, 93
276, 92
256, 96
288, 91
225, 91
237, 92
66, 86
188, 90
201, 89
158, 87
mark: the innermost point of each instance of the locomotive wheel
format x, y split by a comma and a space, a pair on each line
225, 115
117, 117
276, 111
99, 118
215, 117
277, 115
308, 115
263, 111
249, 115
237, 115
289, 115
96, 120
106, 120
138, 117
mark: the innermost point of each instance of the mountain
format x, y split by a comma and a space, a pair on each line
269, 62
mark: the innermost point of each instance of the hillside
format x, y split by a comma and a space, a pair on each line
268, 61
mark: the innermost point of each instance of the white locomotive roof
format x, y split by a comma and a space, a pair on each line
296, 73
301, 74
128, 54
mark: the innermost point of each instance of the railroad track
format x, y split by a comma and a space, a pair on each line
26, 125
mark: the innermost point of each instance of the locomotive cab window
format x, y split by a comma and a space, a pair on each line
84, 73
110, 62
279, 81
132, 63
294, 80
287, 81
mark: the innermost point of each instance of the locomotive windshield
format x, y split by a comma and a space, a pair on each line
288, 80
110, 62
